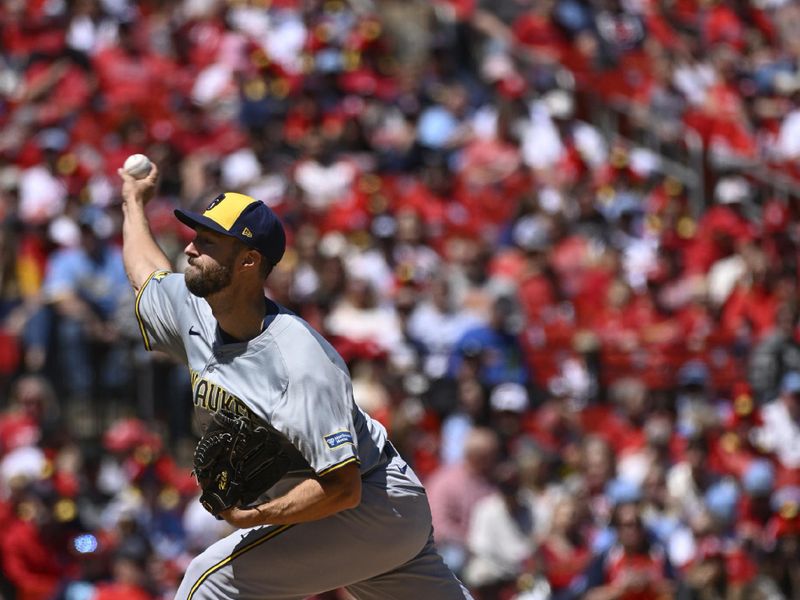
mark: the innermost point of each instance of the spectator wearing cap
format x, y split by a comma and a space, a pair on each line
442, 126
638, 246
537, 289
694, 401
332, 277
508, 404
454, 491
722, 505
635, 567
749, 312
119, 462
736, 444
42, 190
754, 511
497, 345
84, 286
780, 432
722, 501
725, 227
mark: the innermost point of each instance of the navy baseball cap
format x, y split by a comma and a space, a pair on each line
245, 218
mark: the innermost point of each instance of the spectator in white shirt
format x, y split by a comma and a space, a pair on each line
781, 430
437, 324
358, 316
500, 535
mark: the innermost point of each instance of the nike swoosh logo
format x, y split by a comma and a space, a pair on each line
192, 331
403, 469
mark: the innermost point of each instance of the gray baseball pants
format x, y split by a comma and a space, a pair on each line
381, 550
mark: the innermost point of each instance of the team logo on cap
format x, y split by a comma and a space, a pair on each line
216, 201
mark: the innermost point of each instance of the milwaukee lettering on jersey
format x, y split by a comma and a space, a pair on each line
212, 397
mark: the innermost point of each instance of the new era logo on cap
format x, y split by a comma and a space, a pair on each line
245, 218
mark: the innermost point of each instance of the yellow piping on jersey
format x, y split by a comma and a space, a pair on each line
136, 308
236, 554
346, 461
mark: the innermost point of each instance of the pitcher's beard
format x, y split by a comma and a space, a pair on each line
204, 281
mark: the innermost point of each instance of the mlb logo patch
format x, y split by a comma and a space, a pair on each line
340, 438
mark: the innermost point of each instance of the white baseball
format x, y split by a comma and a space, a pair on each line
137, 166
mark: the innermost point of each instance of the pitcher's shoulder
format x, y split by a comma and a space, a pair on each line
302, 345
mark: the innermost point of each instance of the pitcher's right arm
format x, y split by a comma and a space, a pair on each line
140, 252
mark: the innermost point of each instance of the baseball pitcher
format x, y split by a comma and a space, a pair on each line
318, 495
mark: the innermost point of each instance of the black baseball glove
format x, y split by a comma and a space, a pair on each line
236, 461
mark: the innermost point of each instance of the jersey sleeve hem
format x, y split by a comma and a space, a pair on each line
142, 328
346, 461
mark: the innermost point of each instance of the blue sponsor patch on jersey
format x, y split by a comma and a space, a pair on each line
340, 438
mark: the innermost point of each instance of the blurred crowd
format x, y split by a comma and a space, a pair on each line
598, 381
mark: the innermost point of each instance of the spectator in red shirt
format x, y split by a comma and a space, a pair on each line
130, 74
129, 573
537, 292
634, 568
754, 511
34, 551
707, 576
723, 228
32, 400
782, 551
565, 552
750, 311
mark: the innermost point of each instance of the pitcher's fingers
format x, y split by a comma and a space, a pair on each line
125, 175
152, 176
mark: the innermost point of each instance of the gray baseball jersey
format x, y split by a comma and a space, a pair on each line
292, 379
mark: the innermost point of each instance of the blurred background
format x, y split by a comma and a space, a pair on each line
555, 240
